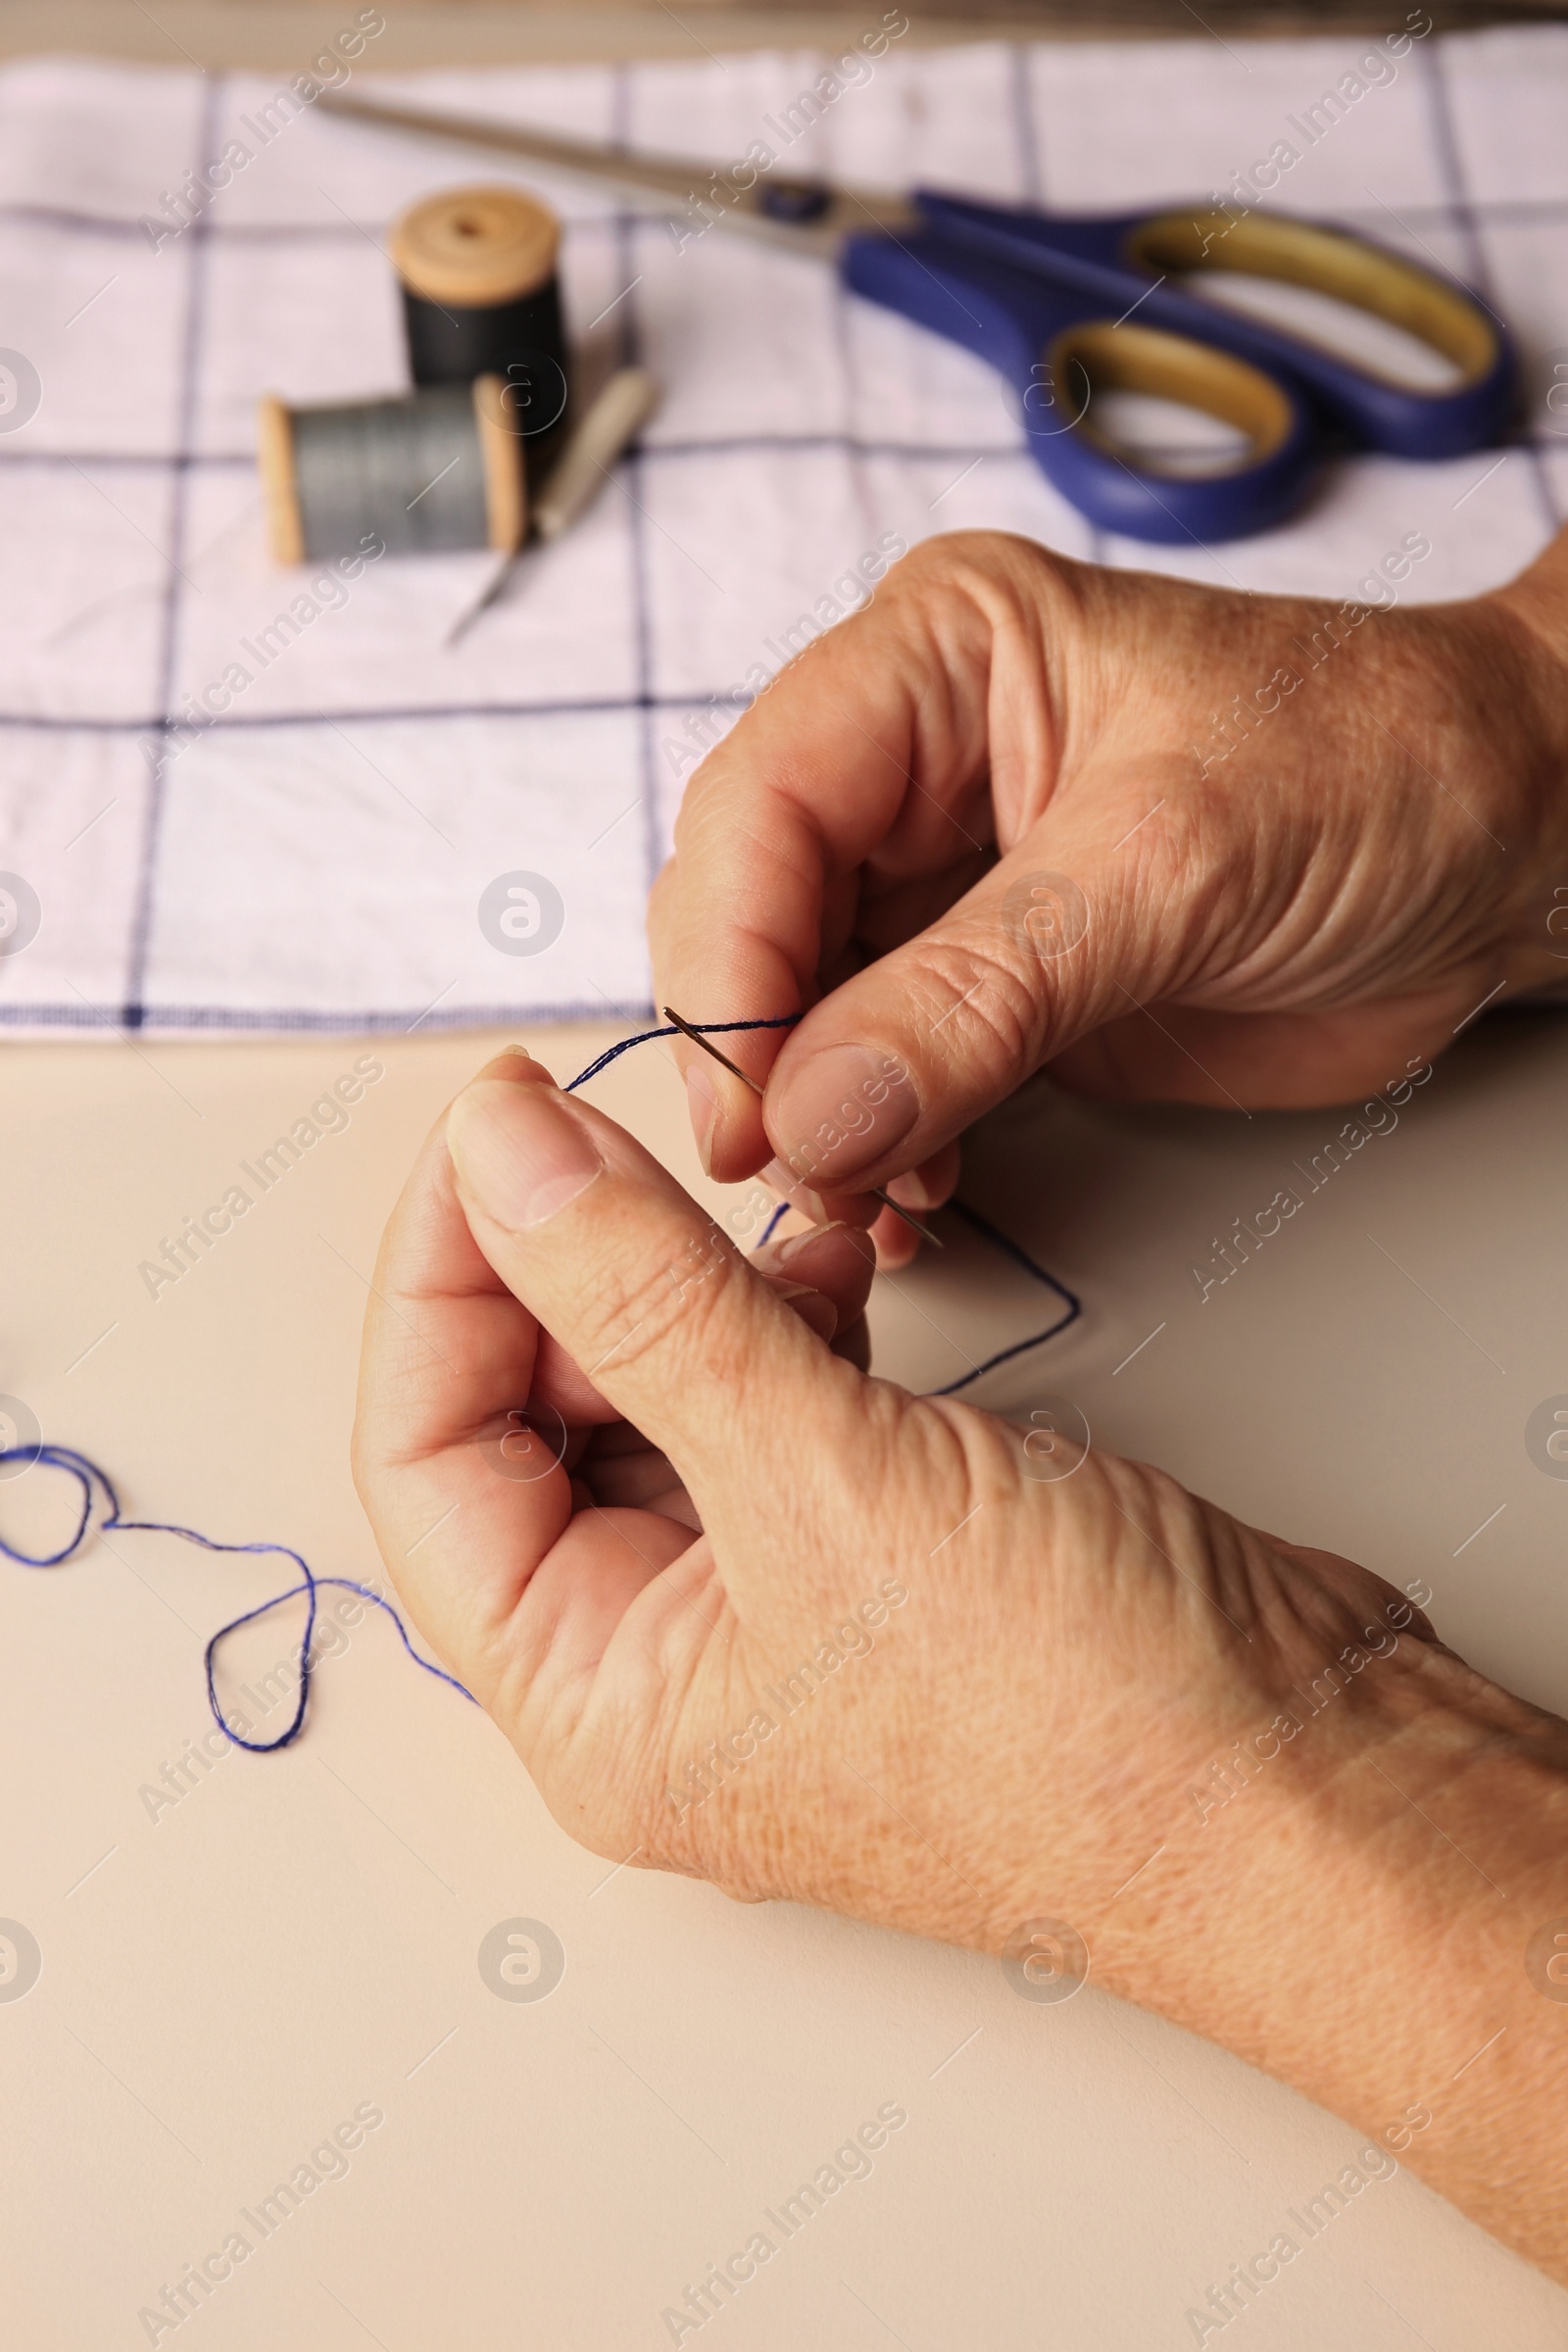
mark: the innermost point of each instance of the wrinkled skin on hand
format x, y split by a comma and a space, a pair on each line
1177, 842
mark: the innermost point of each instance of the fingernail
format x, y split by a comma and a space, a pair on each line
815, 1308
849, 1209
894, 1245
844, 1108
519, 1154
783, 1178
702, 1102
800, 1244
910, 1191
508, 1055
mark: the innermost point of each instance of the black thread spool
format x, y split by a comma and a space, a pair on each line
482, 297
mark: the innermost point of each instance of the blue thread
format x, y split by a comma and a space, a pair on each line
1010, 1249
771, 1227
85, 1473
645, 1037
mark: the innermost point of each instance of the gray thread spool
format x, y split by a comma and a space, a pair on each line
439, 471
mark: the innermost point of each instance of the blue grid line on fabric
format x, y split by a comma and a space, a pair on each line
628, 336
1464, 219
1025, 130
341, 1021
1523, 435
584, 706
648, 445
144, 904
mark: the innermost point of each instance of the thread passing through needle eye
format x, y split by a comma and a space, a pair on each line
875, 1189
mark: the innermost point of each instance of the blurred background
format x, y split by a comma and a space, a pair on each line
264, 33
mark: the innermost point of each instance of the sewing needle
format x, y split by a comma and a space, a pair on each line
875, 1189
495, 587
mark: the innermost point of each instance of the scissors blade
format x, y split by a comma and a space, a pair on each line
670, 185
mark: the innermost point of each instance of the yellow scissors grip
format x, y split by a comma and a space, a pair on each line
1326, 261
1097, 357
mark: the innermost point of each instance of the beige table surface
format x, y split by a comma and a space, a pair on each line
228, 1977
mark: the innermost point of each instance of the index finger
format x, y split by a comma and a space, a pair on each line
447, 1351
473, 1507
862, 770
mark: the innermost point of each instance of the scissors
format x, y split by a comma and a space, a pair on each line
1067, 307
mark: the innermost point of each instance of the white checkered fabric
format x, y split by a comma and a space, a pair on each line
314, 859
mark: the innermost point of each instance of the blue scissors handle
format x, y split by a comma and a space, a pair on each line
1011, 285
1132, 257
1056, 345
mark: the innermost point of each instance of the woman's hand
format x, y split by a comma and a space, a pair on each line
1177, 842
792, 1629
760, 1504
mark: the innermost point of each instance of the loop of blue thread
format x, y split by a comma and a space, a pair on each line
1071, 1305
87, 1473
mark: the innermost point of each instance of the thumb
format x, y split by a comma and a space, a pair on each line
661, 1311
912, 1051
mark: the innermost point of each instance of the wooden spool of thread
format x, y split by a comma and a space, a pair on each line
438, 470
481, 297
